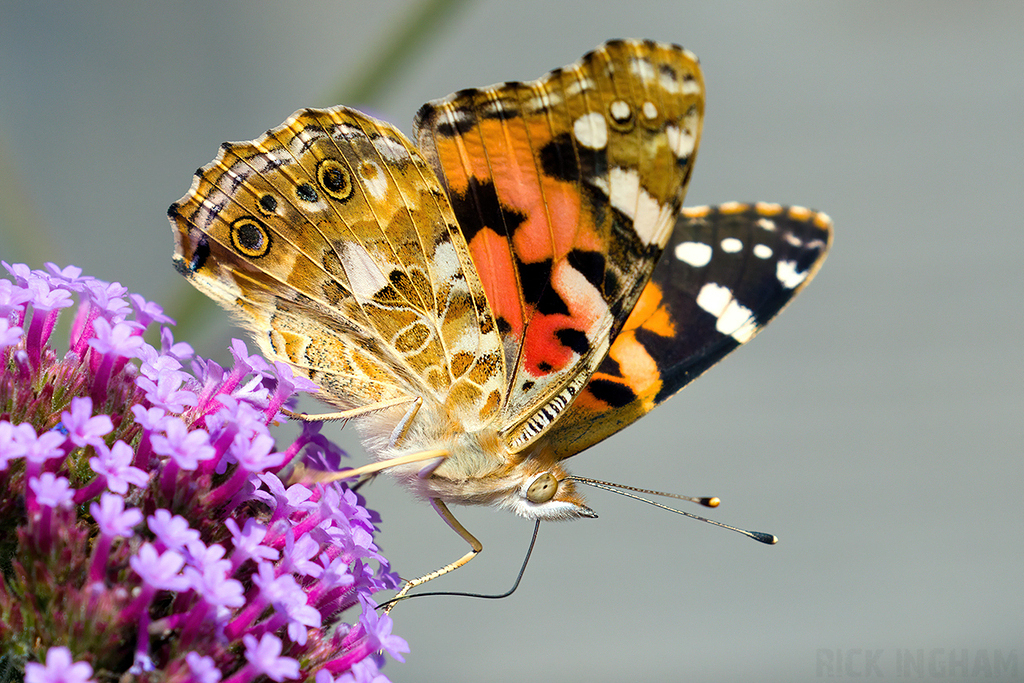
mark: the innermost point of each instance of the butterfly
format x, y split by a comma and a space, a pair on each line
493, 298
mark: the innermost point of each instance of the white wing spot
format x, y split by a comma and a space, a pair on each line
374, 179
691, 87
454, 117
680, 140
492, 108
766, 224
364, 274
669, 84
345, 131
733, 319
642, 69
623, 189
590, 131
390, 149
650, 218
540, 101
731, 245
762, 251
264, 163
696, 254
788, 275
692, 122
620, 111
578, 86
737, 322
650, 111
714, 298
307, 136
446, 262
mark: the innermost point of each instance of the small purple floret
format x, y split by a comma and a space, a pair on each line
265, 657
149, 500
59, 668
112, 517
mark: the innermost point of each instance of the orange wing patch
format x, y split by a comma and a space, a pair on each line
566, 189
637, 374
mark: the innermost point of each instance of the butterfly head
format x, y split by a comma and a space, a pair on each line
547, 493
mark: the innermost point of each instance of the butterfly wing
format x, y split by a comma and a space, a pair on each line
566, 189
726, 272
334, 243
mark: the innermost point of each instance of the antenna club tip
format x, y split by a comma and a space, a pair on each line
711, 502
767, 539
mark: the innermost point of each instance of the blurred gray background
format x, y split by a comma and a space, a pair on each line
875, 427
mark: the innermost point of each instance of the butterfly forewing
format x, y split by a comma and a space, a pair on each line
337, 244
566, 190
726, 272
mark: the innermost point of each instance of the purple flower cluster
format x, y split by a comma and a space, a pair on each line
145, 525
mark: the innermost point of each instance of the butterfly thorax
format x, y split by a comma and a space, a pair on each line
478, 468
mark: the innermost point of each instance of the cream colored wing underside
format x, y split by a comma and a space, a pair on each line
334, 243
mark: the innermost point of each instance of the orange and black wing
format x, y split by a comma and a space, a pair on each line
567, 189
727, 271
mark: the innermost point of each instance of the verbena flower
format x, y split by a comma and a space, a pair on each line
144, 525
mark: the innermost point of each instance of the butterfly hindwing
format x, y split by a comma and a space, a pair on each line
727, 271
566, 189
334, 242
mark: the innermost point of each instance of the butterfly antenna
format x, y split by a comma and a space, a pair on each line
510, 591
711, 502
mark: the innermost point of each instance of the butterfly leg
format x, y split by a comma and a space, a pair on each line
305, 475
434, 457
475, 547
355, 412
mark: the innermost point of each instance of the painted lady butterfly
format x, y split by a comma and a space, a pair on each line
490, 301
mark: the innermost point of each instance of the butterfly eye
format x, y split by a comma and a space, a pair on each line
334, 178
542, 489
249, 237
